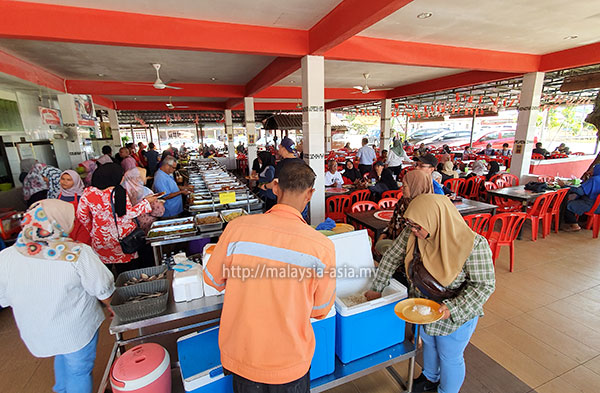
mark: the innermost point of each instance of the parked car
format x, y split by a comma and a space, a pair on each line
420, 135
450, 138
496, 138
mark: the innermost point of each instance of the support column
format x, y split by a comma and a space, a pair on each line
114, 129
313, 129
71, 146
386, 124
327, 131
531, 93
229, 133
250, 130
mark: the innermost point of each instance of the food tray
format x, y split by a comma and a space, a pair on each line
251, 201
128, 312
226, 212
172, 232
151, 271
173, 222
208, 227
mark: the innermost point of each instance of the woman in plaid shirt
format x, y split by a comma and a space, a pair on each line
455, 256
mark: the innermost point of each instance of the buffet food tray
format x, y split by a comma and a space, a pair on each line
208, 227
225, 213
172, 222
171, 232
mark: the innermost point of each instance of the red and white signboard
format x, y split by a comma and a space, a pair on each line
50, 117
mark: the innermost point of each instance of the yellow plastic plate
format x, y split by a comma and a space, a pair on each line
404, 311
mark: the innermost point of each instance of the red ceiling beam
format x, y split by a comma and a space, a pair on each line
105, 102
133, 89
21, 69
273, 73
379, 50
343, 103
349, 18
162, 106
331, 93
571, 58
34, 21
449, 82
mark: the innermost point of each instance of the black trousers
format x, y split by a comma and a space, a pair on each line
364, 168
243, 385
395, 170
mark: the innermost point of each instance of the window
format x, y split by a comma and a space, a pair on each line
490, 137
508, 134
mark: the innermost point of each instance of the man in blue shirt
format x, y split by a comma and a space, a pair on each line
152, 158
366, 157
428, 163
164, 182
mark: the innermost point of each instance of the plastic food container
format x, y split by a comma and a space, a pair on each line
354, 260
143, 309
200, 363
188, 285
145, 368
137, 273
323, 361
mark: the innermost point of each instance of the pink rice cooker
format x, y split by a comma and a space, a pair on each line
145, 368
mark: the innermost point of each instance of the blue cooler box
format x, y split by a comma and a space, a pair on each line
200, 363
323, 361
369, 327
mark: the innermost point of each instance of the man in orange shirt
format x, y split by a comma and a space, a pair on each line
277, 271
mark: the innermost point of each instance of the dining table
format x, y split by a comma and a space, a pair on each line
370, 220
518, 193
344, 190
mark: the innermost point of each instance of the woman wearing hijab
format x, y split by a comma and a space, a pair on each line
585, 197
35, 187
445, 261
396, 157
133, 182
54, 286
493, 169
97, 214
52, 176
448, 171
351, 173
479, 168
414, 183
71, 190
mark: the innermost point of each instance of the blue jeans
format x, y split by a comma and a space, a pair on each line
443, 359
73, 371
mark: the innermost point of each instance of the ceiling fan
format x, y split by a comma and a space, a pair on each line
158, 83
365, 89
171, 106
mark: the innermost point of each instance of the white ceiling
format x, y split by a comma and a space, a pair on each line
294, 14
527, 26
166, 99
350, 73
86, 61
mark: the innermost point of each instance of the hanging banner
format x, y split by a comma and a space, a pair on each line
50, 117
84, 107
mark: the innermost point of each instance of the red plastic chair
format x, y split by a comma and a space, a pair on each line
336, 207
545, 178
500, 182
554, 210
590, 213
536, 156
472, 187
539, 211
387, 203
392, 194
404, 171
478, 222
455, 185
511, 224
512, 180
359, 195
364, 206
504, 205
579, 153
595, 225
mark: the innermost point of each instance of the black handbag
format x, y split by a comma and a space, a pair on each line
133, 242
426, 283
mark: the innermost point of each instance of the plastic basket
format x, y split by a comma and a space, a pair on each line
143, 309
150, 271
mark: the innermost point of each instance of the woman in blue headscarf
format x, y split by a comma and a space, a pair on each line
586, 195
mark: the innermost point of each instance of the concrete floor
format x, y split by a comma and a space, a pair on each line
542, 324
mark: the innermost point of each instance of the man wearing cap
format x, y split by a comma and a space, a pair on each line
288, 153
428, 163
366, 157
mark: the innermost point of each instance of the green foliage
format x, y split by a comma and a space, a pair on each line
125, 139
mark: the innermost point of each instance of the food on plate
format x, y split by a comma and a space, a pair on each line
423, 310
231, 216
145, 278
354, 300
208, 220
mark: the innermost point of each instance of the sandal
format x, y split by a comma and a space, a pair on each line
572, 228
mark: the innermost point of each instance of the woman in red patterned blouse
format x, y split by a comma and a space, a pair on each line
96, 214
